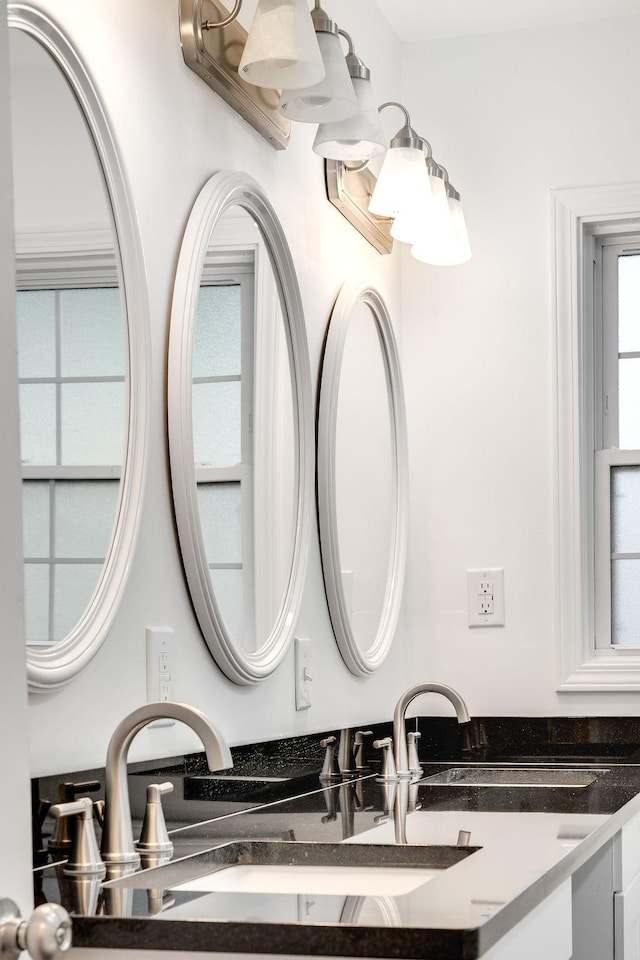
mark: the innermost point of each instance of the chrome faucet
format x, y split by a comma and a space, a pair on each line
399, 734
117, 835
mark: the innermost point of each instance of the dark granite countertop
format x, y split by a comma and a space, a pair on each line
526, 841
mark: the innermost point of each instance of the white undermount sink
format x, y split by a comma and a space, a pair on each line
287, 867
321, 880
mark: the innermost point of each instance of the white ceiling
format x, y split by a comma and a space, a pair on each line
415, 20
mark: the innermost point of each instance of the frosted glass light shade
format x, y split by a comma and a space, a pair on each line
444, 242
424, 214
282, 48
408, 224
330, 100
359, 137
403, 182
460, 233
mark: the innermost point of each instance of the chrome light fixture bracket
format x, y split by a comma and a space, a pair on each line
212, 44
356, 67
349, 189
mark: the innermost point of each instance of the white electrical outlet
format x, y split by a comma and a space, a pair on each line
160, 668
303, 675
485, 598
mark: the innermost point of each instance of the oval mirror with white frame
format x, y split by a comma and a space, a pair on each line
240, 426
82, 351
362, 477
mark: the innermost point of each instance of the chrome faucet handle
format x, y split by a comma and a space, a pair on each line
346, 762
98, 812
358, 741
388, 771
330, 769
84, 856
62, 838
154, 837
412, 751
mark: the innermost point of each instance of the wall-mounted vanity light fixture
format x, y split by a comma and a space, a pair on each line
292, 66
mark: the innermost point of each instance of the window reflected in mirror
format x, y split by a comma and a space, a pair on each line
243, 431
71, 366
72, 347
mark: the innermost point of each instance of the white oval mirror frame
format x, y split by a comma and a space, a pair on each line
223, 190
57, 665
362, 662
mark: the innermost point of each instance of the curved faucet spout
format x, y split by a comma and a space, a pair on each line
117, 835
399, 734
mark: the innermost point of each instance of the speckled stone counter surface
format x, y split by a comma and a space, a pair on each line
522, 841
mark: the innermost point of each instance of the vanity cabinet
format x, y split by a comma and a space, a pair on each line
626, 899
545, 932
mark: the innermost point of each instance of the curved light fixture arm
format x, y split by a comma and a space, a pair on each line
418, 141
343, 33
426, 146
215, 24
400, 106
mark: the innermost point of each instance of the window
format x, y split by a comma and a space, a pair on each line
597, 325
223, 416
617, 440
71, 366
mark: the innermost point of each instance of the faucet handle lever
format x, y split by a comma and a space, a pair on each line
358, 742
388, 771
330, 769
154, 837
84, 857
62, 838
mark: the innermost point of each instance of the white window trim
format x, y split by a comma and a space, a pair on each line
576, 213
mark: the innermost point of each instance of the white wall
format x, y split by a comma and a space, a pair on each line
173, 133
511, 116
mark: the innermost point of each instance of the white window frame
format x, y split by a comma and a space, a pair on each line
608, 454
578, 215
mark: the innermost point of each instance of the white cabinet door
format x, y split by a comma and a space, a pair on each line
626, 906
15, 839
545, 933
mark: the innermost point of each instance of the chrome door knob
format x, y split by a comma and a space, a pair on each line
45, 934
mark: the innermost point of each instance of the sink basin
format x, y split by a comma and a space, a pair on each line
266, 866
514, 778
328, 880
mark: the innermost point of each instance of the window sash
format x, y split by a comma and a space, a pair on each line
607, 455
605, 462
230, 272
